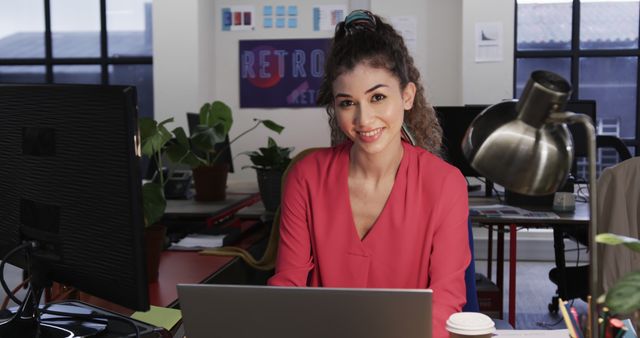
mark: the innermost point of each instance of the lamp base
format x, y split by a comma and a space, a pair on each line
520, 200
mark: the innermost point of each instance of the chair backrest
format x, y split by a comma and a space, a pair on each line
268, 259
472, 304
610, 141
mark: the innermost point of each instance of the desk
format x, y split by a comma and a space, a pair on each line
579, 217
190, 267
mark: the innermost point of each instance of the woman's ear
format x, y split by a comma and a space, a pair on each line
408, 94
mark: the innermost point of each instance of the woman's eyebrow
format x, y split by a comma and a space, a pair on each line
375, 87
366, 92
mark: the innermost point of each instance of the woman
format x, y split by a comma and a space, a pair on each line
374, 210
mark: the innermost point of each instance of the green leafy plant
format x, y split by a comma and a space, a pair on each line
154, 138
271, 157
624, 296
215, 122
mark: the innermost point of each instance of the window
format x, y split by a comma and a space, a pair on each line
594, 45
78, 41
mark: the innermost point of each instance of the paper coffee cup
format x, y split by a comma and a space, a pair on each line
470, 324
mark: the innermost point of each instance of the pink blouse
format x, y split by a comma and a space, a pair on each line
420, 239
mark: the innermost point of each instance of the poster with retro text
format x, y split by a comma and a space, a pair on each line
282, 73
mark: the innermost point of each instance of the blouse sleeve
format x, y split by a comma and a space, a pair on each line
450, 254
294, 260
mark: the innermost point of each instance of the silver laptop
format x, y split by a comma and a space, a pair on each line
291, 312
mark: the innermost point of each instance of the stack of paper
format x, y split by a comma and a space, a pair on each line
198, 242
501, 210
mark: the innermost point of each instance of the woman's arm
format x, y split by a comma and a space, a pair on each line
294, 259
450, 254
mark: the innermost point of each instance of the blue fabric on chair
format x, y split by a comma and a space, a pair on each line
470, 280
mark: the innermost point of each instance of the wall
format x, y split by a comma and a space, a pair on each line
487, 83
195, 62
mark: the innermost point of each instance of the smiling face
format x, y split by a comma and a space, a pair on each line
369, 106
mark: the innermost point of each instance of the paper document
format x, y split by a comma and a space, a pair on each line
563, 333
507, 211
159, 316
198, 242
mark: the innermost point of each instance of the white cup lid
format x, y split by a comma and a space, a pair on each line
470, 323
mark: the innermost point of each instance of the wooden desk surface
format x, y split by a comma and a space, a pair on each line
578, 217
190, 267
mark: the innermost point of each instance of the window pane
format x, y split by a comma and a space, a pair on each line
22, 29
608, 24
524, 68
86, 74
544, 25
22, 74
612, 83
75, 27
140, 76
129, 27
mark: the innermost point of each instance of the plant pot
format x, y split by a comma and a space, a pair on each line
211, 182
269, 181
154, 236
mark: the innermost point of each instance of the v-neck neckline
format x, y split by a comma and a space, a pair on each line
384, 211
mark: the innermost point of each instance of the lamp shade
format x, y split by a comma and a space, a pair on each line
513, 144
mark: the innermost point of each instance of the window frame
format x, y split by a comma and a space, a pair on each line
574, 54
104, 61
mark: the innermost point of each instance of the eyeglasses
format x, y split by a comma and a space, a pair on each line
358, 20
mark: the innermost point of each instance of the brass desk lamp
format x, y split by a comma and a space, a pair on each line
525, 146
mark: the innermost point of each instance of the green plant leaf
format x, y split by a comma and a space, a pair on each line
613, 239
153, 136
153, 202
624, 296
181, 136
216, 114
271, 143
273, 126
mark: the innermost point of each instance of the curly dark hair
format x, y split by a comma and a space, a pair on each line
379, 45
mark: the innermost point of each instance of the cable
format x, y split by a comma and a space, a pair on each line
2, 264
5, 303
91, 317
493, 188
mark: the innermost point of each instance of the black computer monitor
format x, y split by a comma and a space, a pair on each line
193, 120
587, 107
455, 121
70, 183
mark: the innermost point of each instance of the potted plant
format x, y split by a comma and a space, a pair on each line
624, 297
270, 162
199, 150
154, 138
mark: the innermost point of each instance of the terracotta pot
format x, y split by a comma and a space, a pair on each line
211, 182
269, 184
154, 236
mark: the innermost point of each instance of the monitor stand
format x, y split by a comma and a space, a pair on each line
71, 319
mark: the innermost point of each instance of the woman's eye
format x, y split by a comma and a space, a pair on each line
346, 103
377, 97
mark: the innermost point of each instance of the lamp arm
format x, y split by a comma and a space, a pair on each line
594, 289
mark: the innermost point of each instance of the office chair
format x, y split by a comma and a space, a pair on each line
572, 282
268, 260
618, 200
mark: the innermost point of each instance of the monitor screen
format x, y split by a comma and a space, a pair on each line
70, 181
193, 120
587, 107
454, 121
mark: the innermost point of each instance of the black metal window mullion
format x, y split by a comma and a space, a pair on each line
48, 44
575, 53
575, 49
637, 138
104, 50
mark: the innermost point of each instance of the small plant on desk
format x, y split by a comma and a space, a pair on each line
270, 162
200, 151
624, 296
154, 138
